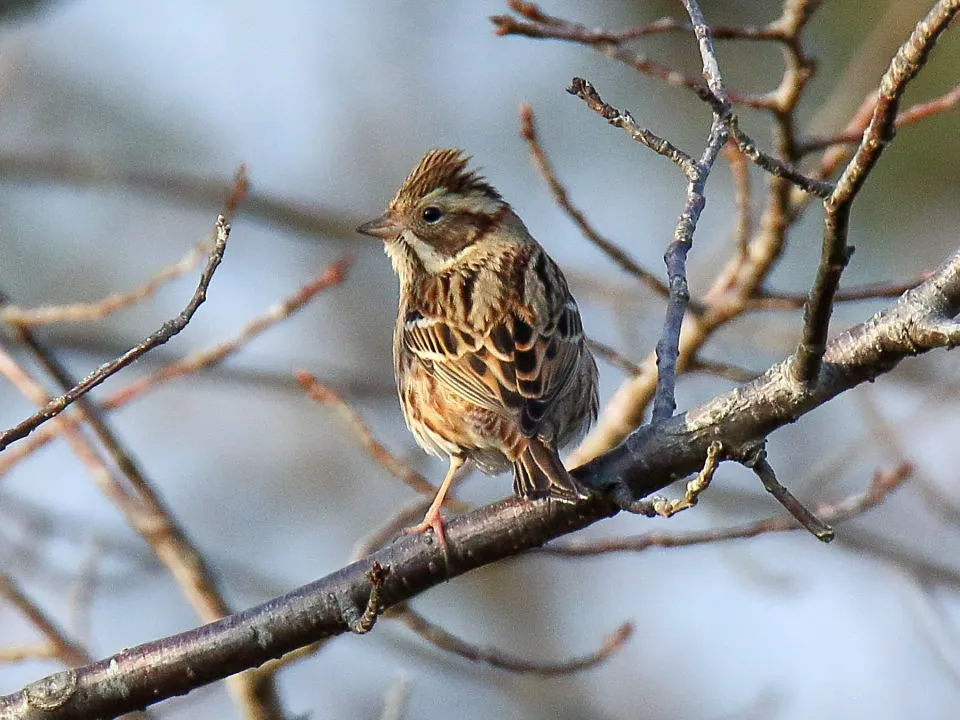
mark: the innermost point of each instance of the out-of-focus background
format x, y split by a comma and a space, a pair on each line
329, 104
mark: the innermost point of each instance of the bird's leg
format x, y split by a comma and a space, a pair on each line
432, 519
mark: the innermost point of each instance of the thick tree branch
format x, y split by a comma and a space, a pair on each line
56, 643
651, 458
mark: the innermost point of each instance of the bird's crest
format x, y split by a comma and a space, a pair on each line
444, 169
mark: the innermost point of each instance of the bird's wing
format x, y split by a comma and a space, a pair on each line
519, 364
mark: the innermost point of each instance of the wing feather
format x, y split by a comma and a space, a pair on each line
520, 364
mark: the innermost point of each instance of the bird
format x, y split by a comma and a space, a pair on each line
491, 362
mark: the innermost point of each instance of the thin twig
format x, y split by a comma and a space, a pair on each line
384, 458
913, 114
506, 25
836, 253
769, 300
608, 353
726, 370
610, 249
836, 155
19, 653
61, 647
742, 197
167, 331
675, 257
933, 569
659, 506
146, 513
363, 623
704, 36
610, 44
649, 460
801, 514
775, 166
448, 642
624, 120
196, 361
921, 111
330, 276
86, 311
395, 702
883, 483
192, 191
68, 425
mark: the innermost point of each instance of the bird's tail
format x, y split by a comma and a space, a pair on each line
539, 473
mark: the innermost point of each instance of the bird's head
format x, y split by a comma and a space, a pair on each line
440, 209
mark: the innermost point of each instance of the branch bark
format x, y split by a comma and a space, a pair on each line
650, 459
836, 253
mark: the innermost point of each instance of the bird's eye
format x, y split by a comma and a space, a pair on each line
432, 214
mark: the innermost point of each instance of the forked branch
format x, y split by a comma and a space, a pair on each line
836, 253
649, 460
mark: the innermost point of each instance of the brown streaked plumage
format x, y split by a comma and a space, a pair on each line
491, 362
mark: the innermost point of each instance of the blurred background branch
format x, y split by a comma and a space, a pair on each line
114, 151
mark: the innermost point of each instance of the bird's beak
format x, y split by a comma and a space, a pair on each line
384, 227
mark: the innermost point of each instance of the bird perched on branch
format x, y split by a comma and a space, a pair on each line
490, 358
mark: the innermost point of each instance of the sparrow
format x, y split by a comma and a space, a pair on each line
491, 363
